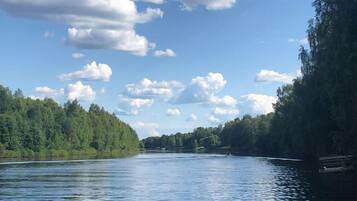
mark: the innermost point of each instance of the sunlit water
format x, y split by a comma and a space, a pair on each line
183, 177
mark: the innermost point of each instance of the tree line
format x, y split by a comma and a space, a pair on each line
246, 135
40, 128
316, 115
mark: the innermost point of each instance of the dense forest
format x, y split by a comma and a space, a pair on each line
316, 115
42, 128
247, 135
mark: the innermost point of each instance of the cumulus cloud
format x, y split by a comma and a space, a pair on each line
208, 4
214, 120
125, 40
173, 112
226, 101
132, 106
79, 91
92, 24
273, 76
165, 53
258, 103
202, 89
149, 89
46, 92
75, 91
77, 55
221, 114
137, 96
91, 71
146, 129
218, 111
303, 41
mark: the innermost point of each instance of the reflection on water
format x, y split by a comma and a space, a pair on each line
167, 177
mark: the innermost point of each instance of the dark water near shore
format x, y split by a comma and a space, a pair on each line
168, 176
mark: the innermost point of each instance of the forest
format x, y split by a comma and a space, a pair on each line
42, 128
248, 135
315, 116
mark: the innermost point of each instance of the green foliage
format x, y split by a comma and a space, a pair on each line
200, 137
34, 128
317, 114
244, 136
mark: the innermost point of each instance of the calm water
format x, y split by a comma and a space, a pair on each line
163, 177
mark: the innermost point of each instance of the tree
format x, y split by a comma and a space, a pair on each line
31, 126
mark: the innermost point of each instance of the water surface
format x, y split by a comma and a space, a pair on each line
163, 177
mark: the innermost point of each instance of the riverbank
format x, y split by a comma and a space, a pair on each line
224, 151
187, 150
25, 155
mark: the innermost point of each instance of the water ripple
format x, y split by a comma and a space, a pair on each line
158, 177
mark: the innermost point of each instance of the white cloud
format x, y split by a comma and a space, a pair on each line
165, 53
226, 101
173, 112
77, 55
76, 91
213, 81
92, 71
153, 89
92, 24
221, 114
80, 92
192, 117
202, 89
46, 92
132, 106
146, 129
258, 103
299, 73
273, 76
140, 95
214, 120
303, 41
218, 111
125, 40
208, 4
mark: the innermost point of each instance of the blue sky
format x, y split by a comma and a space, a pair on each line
162, 66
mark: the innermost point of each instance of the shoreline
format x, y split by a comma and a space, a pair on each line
99, 157
70, 156
223, 153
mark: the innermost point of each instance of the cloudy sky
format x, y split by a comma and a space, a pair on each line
163, 66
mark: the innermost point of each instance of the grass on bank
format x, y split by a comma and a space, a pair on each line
26, 154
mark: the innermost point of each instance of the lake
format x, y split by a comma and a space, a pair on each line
167, 176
